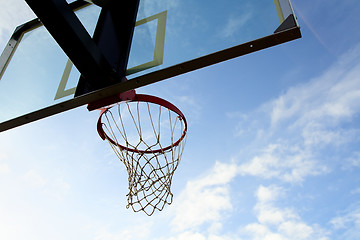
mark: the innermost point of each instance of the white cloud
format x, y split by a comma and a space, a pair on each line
8, 231
206, 199
355, 191
153, 7
201, 236
60, 188
276, 223
189, 236
287, 163
257, 231
197, 213
348, 223
191, 104
268, 194
12, 14
4, 169
315, 134
267, 214
292, 132
136, 232
34, 179
235, 23
352, 161
331, 97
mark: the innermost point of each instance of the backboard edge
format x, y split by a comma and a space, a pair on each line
159, 75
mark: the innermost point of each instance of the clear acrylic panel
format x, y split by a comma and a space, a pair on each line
167, 33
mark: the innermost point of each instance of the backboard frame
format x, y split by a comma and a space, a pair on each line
289, 30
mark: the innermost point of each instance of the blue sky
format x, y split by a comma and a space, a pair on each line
272, 149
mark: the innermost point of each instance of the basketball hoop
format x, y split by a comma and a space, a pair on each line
148, 135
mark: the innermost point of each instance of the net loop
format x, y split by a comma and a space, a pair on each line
148, 135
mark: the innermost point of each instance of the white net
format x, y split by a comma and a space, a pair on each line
149, 139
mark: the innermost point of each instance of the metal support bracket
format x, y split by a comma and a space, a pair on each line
101, 60
113, 35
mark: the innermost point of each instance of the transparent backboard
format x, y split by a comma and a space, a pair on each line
170, 38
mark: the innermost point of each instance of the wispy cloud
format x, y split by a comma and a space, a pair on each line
205, 199
331, 97
198, 212
61, 188
352, 161
288, 163
191, 104
347, 224
234, 23
4, 169
33, 178
135, 232
189, 236
274, 222
291, 133
153, 7
9, 20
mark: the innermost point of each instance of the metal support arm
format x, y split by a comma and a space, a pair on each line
70, 34
113, 35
